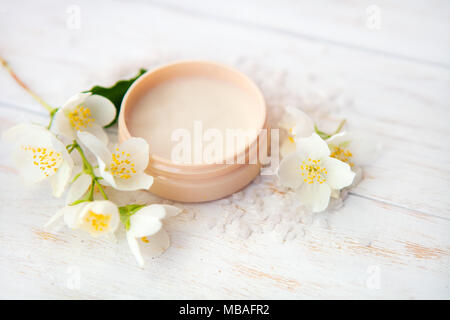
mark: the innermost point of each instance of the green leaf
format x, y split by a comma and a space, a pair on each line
127, 211
116, 93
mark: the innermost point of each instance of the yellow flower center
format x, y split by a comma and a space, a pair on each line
80, 117
121, 165
292, 135
342, 154
46, 159
144, 239
312, 171
97, 221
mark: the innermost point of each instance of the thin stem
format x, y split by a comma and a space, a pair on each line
52, 116
341, 125
49, 108
70, 148
91, 191
89, 170
76, 177
87, 166
77, 202
321, 134
101, 189
325, 135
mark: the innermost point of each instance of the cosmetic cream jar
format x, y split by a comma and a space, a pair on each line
198, 99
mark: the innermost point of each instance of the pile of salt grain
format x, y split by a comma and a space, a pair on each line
264, 206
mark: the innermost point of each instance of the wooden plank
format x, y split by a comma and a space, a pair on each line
367, 249
413, 31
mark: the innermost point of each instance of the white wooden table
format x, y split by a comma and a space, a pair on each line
391, 238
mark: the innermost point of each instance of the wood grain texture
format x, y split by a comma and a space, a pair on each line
349, 24
394, 224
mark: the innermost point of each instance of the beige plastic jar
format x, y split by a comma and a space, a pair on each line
173, 96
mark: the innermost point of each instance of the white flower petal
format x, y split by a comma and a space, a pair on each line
102, 109
60, 179
104, 207
28, 172
97, 147
314, 146
289, 170
171, 211
134, 247
97, 131
364, 149
157, 244
314, 196
297, 122
339, 173
75, 100
35, 136
340, 138
138, 150
138, 181
28, 133
60, 147
302, 131
147, 221
72, 214
287, 147
63, 126
78, 188
58, 215
108, 178
287, 122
